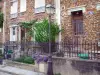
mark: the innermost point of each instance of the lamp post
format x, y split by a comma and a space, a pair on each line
50, 11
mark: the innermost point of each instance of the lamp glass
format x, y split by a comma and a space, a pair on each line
50, 9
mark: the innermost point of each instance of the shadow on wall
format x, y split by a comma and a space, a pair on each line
86, 67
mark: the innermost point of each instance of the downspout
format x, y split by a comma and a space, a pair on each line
4, 12
58, 17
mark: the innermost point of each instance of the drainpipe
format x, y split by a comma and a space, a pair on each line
4, 12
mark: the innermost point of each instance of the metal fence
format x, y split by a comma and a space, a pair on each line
83, 50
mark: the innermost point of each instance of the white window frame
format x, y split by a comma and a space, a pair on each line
39, 8
23, 5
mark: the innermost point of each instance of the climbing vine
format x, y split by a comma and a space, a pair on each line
1, 19
40, 30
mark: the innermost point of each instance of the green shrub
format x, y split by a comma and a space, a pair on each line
0, 52
25, 59
58, 74
28, 60
21, 59
1, 55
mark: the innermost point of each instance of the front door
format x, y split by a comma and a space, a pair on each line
22, 34
13, 33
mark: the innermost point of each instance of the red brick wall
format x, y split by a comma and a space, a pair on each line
28, 15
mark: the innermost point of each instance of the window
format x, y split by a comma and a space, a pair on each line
77, 22
13, 30
14, 6
39, 6
22, 5
98, 6
13, 33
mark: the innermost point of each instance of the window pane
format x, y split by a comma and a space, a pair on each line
13, 30
22, 5
14, 7
39, 3
78, 26
39, 6
77, 19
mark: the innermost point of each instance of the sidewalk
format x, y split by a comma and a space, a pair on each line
17, 71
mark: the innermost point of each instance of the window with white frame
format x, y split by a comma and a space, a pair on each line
14, 8
22, 5
39, 6
98, 6
13, 28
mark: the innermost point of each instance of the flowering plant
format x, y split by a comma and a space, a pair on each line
40, 58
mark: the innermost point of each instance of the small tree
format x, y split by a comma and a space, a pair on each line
1, 19
40, 30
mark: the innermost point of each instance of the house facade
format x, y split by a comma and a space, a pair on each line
77, 18
80, 19
21, 11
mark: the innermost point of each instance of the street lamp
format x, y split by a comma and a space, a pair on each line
50, 11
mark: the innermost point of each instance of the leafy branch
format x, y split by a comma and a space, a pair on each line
1, 19
40, 30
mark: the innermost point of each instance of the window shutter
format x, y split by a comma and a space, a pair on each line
22, 5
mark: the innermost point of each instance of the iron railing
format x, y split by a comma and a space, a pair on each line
84, 50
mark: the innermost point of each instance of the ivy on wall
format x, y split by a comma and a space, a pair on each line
1, 19
39, 30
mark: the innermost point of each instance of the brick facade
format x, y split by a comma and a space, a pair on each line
28, 15
90, 21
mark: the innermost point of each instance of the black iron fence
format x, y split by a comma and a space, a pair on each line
83, 50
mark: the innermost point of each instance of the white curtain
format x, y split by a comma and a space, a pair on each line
14, 7
39, 3
23, 5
